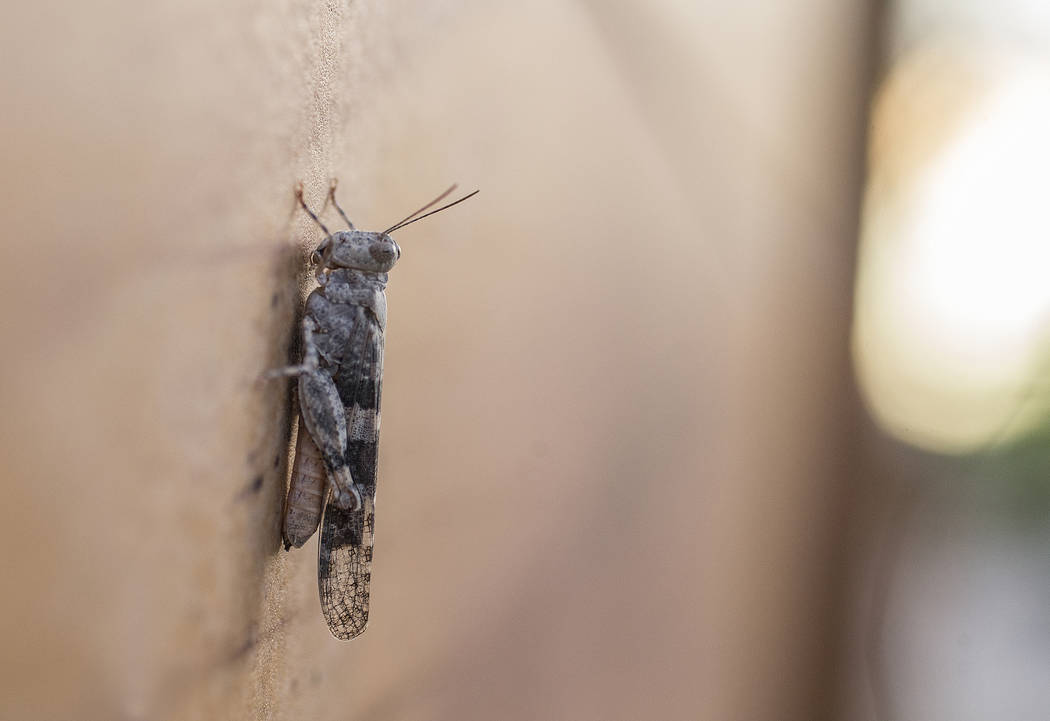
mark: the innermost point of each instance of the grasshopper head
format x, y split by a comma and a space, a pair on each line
369, 251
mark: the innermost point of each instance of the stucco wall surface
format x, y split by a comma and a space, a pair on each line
616, 385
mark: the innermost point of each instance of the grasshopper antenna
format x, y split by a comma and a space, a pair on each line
439, 198
411, 219
331, 196
299, 197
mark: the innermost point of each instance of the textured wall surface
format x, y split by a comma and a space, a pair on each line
616, 395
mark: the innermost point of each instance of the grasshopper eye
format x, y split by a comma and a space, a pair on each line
381, 252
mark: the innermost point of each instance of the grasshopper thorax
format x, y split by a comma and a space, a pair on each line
370, 251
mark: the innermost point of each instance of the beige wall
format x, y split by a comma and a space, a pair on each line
616, 405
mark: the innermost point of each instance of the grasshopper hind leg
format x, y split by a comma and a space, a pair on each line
325, 420
324, 416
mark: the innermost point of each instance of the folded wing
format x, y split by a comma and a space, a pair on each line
344, 564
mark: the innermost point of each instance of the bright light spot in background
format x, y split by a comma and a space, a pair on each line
953, 292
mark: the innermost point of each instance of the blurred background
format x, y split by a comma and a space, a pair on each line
723, 400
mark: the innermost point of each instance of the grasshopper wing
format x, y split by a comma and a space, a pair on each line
344, 563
